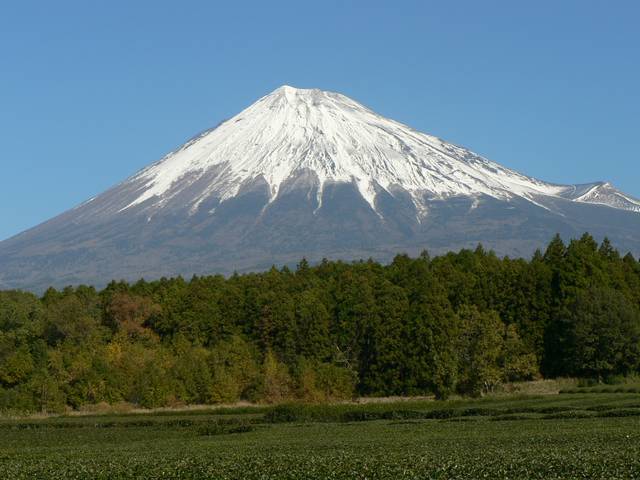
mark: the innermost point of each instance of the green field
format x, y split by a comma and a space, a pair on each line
584, 435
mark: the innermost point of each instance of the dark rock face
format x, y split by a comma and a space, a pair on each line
97, 242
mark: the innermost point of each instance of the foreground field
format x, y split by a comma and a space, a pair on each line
591, 435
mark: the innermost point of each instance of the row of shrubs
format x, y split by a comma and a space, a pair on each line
305, 413
601, 390
609, 380
302, 414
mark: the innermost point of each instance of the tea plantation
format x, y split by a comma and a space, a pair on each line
584, 435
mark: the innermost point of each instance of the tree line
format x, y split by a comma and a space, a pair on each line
461, 323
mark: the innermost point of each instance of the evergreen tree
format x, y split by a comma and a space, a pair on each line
430, 354
603, 334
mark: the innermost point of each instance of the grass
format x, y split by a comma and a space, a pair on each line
582, 435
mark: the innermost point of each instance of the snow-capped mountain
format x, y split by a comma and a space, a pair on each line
339, 140
305, 172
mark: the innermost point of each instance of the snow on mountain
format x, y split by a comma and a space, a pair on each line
602, 193
339, 140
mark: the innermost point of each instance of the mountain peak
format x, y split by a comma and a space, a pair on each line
287, 96
288, 90
301, 92
295, 96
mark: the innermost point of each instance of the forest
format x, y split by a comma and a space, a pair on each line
462, 323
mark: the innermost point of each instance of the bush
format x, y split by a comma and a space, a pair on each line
440, 414
587, 382
361, 416
224, 428
479, 412
615, 380
511, 417
403, 415
570, 414
288, 414
621, 412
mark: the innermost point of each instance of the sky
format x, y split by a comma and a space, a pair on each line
91, 92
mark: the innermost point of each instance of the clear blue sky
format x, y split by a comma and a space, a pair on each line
90, 92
